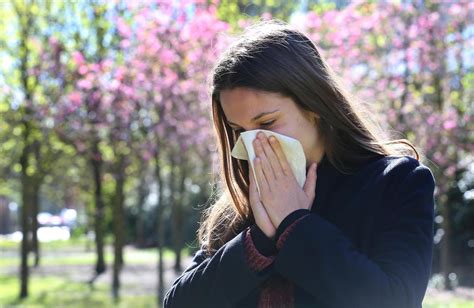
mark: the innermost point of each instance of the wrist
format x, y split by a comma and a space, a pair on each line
288, 220
264, 243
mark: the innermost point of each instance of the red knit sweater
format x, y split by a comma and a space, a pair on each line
276, 291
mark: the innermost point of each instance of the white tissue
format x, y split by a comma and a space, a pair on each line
292, 148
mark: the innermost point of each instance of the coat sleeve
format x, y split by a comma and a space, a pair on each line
221, 280
319, 258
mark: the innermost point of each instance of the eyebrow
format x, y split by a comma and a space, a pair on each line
257, 116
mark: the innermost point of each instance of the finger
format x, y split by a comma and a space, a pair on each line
260, 214
262, 219
285, 166
264, 163
272, 157
262, 181
309, 186
253, 192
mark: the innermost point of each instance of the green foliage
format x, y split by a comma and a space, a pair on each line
234, 11
321, 7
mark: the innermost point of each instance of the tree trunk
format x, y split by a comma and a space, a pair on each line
160, 229
26, 24
25, 222
178, 217
119, 226
36, 184
96, 163
446, 260
142, 194
25, 212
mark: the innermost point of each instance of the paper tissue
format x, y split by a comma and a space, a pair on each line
292, 148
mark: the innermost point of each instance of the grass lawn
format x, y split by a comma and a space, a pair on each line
59, 292
131, 256
54, 287
73, 252
71, 243
452, 303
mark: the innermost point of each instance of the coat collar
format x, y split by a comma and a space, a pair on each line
329, 180
327, 177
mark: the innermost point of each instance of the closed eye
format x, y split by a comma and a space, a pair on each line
266, 124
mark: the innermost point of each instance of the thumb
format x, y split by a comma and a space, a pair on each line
310, 184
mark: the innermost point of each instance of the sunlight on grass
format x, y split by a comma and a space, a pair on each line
71, 243
58, 292
53, 292
82, 257
451, 303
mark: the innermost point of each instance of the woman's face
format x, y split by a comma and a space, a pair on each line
247, 109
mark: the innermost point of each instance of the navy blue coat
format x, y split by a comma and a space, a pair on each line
367, 242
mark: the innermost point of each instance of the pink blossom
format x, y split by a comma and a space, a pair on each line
431, 119
80, 146
125, 43
449, 124
84, 84
83, 69
78, 58
450, 171
75, 98
123, 28
147, 155
454, 9
266, 16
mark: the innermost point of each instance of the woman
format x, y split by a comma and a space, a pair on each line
360, 231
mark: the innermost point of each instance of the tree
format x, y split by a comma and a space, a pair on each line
171, 50
26, 112
405, 62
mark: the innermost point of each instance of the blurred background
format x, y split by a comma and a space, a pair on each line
107, 154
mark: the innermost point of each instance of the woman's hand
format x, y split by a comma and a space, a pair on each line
260, 214
280, 192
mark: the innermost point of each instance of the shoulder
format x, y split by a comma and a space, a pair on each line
404, 175
393, 174
396, 167
403, 167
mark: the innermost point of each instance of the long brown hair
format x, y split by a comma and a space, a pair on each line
273, 57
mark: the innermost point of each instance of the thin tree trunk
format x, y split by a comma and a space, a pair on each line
26, 24
142, 194
96, 159
160, 229
119, 226
25, 215
178, 217
96, 163
446, 261
36, 184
